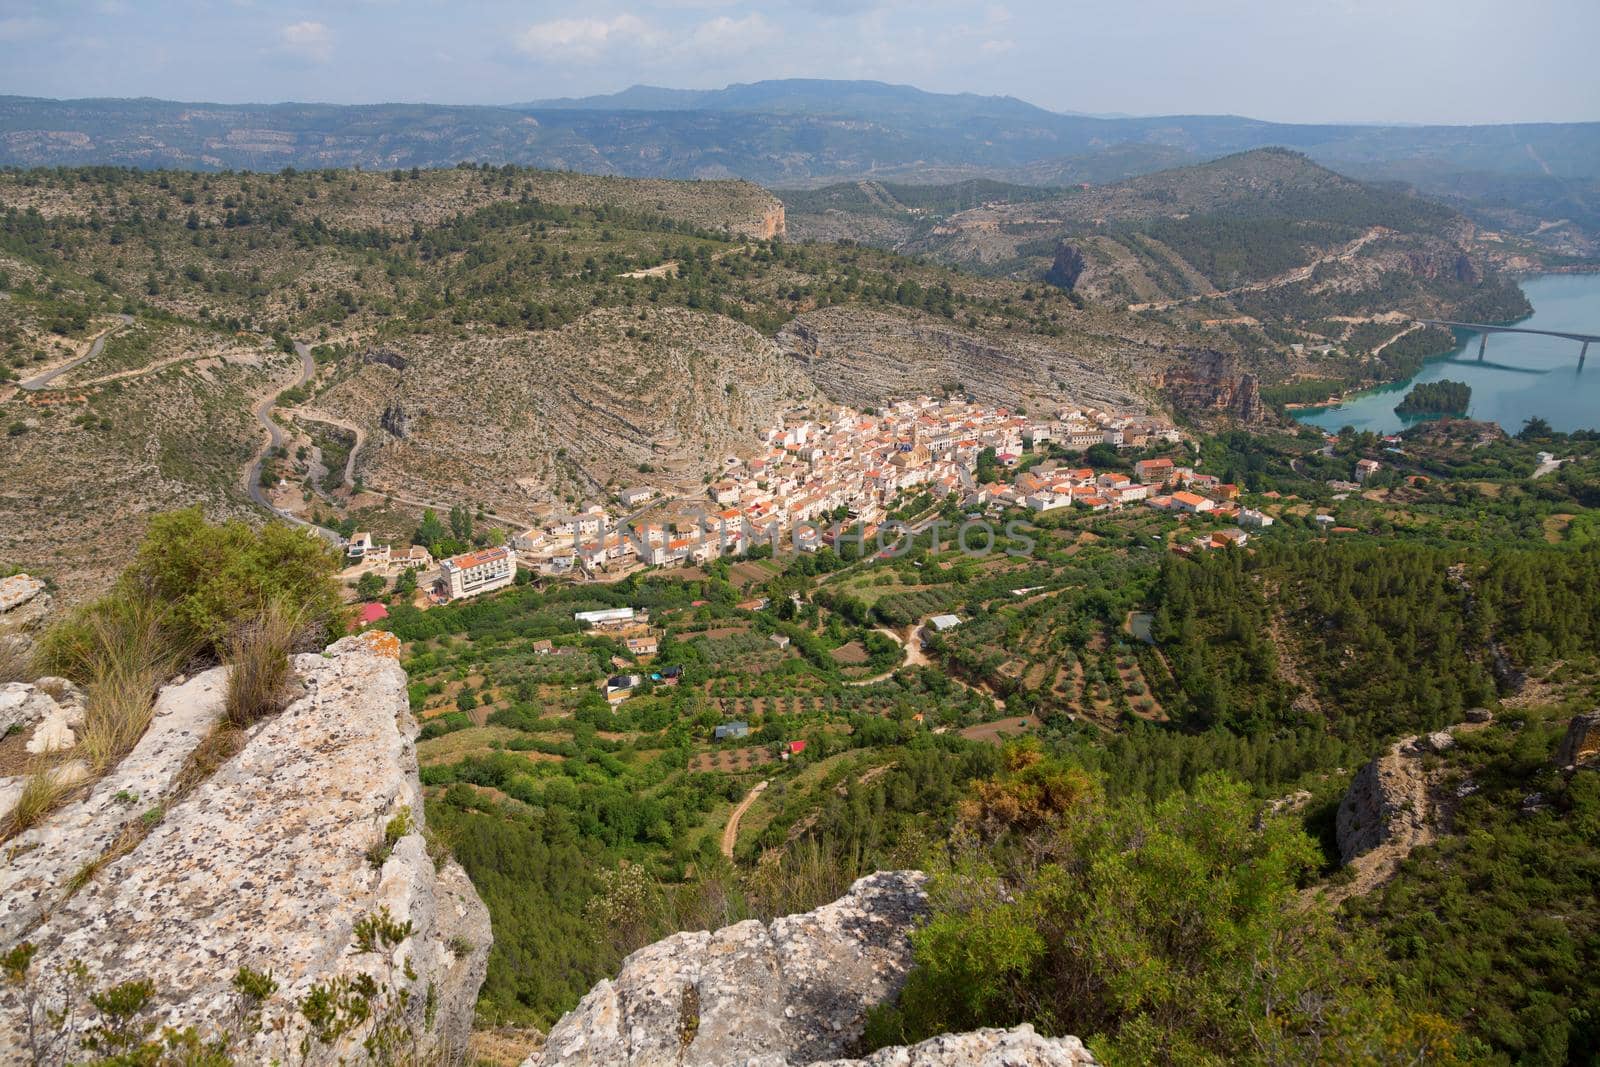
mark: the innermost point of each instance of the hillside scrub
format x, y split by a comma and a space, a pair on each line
1164, 932
195, 592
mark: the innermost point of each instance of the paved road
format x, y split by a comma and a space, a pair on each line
42, 381
275, 439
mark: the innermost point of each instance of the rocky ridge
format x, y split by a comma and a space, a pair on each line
480, 417
1581, 745
781, 994
273, 862
863, 357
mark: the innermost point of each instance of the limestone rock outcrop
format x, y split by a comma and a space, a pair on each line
1387, 802
271, 862
1581, 746
1208, 383
24, 603
1067, 267
781, 994
1017, 1047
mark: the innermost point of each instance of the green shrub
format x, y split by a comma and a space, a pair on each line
209, 577
1169, 932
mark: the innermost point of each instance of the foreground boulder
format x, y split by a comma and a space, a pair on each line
781, 994
1017, 1047
281, 860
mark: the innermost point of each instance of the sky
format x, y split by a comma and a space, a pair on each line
1448, 61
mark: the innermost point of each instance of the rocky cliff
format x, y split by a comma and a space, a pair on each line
24, 603
303, 855
1208, 383
780, 994
863, 357
1390, 808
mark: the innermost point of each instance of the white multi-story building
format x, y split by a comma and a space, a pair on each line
477, 572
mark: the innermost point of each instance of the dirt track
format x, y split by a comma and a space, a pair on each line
730, 833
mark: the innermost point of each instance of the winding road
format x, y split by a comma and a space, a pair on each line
275, 439
42, 381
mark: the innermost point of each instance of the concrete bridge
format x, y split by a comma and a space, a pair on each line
1487, 328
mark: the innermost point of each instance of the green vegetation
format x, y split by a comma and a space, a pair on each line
1497, 924
1443, 397
201, 580
1167, 932
195, 591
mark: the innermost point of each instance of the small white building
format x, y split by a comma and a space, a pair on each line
414, 558
529, 540
360, 544
1191, 503
1251, 517
478, 572
635, 496
942, 623
605, 616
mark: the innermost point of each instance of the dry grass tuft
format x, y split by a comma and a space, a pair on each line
40, 794
132, 655
16, 663
257, 656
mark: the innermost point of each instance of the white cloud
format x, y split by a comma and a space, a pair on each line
311, 42
582, 38
724, 33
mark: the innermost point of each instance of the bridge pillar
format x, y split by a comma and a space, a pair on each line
1582, 352
1483, 343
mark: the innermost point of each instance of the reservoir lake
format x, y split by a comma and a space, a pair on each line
1520, 376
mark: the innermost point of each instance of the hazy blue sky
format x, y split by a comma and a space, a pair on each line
1305, 60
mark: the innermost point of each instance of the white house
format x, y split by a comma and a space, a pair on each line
1191, 503
360, 544
529, 540
635, 496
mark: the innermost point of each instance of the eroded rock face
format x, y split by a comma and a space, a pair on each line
1581, 746
267, 863
1208, 382
1387, 802
791, 992
1067, 267
24, 603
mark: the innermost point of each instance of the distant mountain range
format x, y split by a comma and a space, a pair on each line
799, 133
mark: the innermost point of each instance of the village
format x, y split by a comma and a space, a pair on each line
855, 477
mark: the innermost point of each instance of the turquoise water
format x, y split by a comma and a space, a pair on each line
1521, 376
